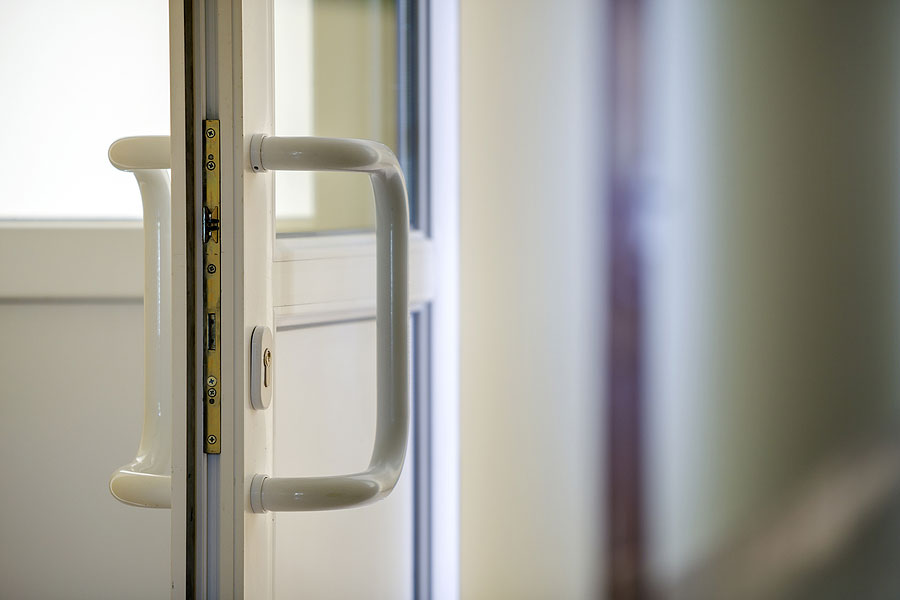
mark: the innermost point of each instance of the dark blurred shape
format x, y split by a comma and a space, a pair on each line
625, 548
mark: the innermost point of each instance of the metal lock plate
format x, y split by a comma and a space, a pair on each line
262, 367
212, 292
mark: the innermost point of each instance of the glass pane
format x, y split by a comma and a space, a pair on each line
76, 77
337, 75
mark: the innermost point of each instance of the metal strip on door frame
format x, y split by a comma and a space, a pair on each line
194, 20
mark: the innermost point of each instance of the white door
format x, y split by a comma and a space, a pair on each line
78, 76
342, 483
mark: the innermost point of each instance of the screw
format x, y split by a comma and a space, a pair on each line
267, 357
210, 133
211, 165
211, 392
211, 439
211, 268
211, 381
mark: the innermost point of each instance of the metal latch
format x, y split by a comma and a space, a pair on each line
210, 224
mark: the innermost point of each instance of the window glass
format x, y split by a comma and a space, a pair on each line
338, 73
75, 77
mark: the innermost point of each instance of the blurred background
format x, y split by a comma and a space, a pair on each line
769, 239
679, 299
679, 263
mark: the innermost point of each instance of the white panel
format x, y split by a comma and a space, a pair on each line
322, 279
72, 260
324, 424
70, 413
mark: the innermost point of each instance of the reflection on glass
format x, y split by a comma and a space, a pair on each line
335, 75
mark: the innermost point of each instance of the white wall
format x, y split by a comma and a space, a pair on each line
531, 299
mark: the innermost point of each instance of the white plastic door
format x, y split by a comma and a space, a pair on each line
325, 493
73, 252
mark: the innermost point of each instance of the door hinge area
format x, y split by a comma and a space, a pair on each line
212, 291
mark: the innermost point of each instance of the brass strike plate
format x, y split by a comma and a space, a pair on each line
212, 291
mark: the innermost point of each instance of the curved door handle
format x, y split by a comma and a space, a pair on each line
391, 315
146, 481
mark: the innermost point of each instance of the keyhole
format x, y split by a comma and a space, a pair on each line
267, 367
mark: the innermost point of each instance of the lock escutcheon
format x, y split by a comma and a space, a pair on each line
262, 367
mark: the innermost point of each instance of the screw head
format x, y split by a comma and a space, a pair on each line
210, 268
211, 439
211, 392
210, 165
211, 381
210, 133
267, 357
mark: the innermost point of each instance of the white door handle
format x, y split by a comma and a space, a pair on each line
146, 481
391, 316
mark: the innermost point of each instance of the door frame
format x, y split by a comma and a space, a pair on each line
188, 467
213, 53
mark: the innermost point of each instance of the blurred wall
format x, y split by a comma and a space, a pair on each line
774, 271
531, 299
